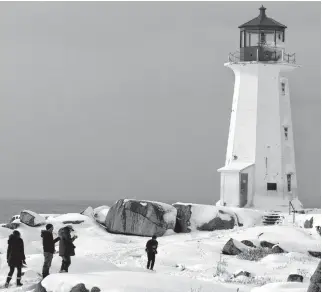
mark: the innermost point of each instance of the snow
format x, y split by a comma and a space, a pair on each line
190, 262
282, 287
100, 213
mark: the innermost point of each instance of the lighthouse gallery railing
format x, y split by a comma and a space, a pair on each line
271, 55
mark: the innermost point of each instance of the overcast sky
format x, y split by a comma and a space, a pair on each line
113, 100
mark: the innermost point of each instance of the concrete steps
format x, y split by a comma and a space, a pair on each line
272, 218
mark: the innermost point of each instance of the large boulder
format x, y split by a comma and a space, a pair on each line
315, 281
143, 218
40, 288
31, 218
248, 243
203, 217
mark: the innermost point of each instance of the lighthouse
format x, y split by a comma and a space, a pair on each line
259, 168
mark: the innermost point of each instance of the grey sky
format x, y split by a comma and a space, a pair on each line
131, 99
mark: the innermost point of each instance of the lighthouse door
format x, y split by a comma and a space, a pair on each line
243, 183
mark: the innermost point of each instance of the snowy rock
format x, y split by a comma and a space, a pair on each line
131, 217
203, 217
277, 249
100, 214
31, 218
265, 243
233, 247
315, 281
308, 223
95, 289
89, 212
248, 243
79, 288
295, 278
316, 254
318, 229
221, 221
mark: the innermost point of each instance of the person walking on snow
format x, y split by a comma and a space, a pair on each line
66, 247
15, 256
151, 250
48, 243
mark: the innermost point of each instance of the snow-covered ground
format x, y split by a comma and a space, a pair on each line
189, 262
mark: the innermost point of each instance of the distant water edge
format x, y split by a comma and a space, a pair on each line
10, 207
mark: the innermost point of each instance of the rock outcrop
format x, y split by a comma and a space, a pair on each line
31, 218
267, 244
308, 223
315, 281
233, 247
89, 212
143, 218
248, 243
316, 254
100, 214
203, 217
277, 249
79, 288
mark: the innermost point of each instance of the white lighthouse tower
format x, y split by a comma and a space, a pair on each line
260, 162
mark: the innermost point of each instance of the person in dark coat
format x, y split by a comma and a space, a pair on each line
66, 247
15, 256
151, 250
48, 242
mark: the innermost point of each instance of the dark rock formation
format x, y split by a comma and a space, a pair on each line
295, 278
230, 247
315, 281
265, 243
308, 223
31, 219
141, 218
316, 254
79, 288
277, 249
248, 243
183, 218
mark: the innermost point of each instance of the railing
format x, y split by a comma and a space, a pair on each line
264, 54
293, 210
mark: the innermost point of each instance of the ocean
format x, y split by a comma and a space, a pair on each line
10, 207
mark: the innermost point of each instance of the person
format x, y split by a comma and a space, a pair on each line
15, 256
151, 250
66, 247
48, 243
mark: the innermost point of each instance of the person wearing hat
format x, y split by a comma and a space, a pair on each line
15, 256
66, 247
48, 243
151, 250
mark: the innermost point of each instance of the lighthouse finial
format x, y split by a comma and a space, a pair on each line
262, 12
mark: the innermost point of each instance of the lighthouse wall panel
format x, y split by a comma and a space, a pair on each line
287, 138
229, 188
242, 134
268, 159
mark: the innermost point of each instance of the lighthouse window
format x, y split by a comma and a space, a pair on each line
286, 133
283, 88
288, 182
271, 186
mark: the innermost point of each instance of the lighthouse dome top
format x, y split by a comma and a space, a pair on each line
263, 22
